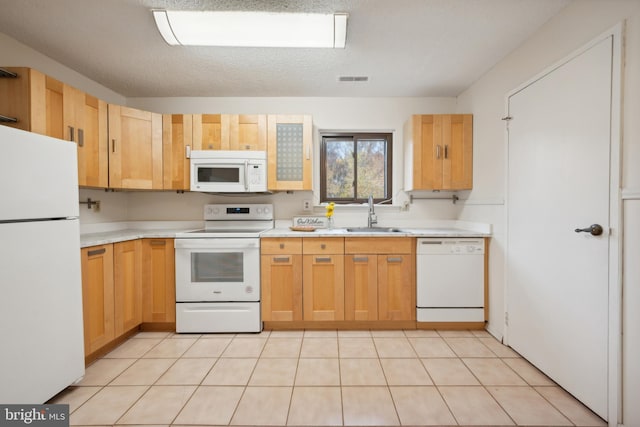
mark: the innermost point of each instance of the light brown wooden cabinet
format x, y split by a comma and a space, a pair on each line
439, 152
230, 132
44, 105
97, 297
207, 132
127, 272
361, 287
92, 140
135, 149
177, 140
281, 279
111, 292
34, 100
158, 281
289, 152
380, 278
323, 279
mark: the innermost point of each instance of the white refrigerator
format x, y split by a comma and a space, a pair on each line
41, 330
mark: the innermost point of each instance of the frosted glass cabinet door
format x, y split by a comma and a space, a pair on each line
289, 144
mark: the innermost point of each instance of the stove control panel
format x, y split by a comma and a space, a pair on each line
238, 212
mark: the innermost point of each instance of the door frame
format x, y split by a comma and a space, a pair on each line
614, 350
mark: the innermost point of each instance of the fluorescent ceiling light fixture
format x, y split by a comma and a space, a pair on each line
252, 29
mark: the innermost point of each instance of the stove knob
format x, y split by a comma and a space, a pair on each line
259, 210
209, 211
266, 210
216, 211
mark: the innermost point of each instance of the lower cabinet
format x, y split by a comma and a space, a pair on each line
111, 292
281, 279
380, 278
323, 278
127, 267
338, 279
97, 297
158, 281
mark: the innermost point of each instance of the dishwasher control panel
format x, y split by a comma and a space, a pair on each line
456, 246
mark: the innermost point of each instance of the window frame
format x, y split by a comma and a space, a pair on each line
355, 136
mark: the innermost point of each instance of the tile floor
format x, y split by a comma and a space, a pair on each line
319, 378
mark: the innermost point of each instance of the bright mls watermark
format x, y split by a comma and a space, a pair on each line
34, 415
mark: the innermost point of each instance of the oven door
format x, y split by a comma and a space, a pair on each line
217, 269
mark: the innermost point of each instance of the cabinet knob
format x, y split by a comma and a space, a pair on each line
281, 245
323, 246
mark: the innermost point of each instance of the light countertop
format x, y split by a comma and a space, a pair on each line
94, 236
115, 236
402, 232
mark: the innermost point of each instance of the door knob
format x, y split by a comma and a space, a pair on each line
594, 229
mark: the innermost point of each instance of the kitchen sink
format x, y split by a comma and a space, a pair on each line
372, 230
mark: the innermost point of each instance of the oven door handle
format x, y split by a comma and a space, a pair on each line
217, 244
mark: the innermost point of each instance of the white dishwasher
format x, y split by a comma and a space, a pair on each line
450, 280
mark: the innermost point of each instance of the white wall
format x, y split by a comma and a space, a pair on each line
577, 24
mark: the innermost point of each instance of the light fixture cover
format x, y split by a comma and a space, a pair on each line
252, 29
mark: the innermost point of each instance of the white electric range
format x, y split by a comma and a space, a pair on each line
218, 270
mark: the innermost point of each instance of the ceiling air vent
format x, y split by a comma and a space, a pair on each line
353, 79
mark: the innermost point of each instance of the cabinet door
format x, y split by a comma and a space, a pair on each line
247, 132
177, 139
289, 146
36, 100
361, 287
47, 96
72, 112
427, 152
15, 101
396, 287
457, 162
97, 297
210, 133
135, 155
127, 285
281, 283
158, 281
91, 138
323, 287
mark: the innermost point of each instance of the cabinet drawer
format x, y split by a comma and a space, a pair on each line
379, 245
281, 245
314, 245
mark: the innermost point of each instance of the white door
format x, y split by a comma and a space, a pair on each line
558, 181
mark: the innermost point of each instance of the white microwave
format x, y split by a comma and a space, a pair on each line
225, 171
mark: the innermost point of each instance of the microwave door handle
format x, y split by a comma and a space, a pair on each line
246, 175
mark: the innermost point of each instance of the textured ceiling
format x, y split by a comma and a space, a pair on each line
405, 47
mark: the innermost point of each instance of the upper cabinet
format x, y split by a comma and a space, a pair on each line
289, 146
247, 132
230, 132
135, 149
439, 152
207, 132
90, 133
44, 105
177, 140
126, 148
31, 101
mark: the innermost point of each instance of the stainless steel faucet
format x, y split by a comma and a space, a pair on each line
373, 219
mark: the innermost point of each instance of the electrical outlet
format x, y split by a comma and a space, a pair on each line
306, 205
